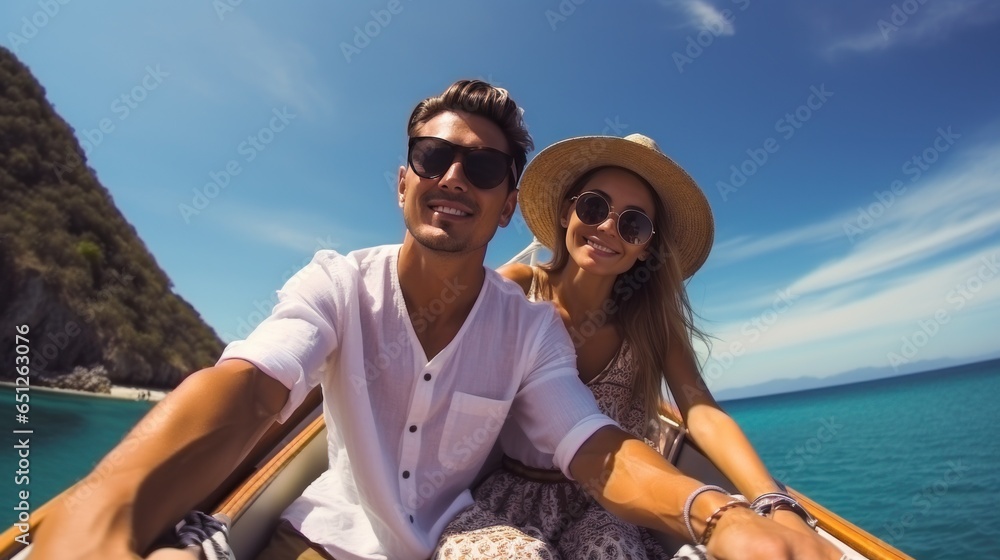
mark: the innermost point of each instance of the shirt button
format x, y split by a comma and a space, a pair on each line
427, 377
413, 429
406, 474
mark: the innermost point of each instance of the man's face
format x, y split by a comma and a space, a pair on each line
448, 214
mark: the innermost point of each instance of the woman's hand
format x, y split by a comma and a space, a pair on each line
744, 535
792, 521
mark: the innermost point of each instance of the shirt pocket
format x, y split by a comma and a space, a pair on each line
470, 430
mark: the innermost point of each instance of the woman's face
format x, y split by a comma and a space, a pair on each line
599, 249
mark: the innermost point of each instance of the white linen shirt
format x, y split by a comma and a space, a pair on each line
407, 436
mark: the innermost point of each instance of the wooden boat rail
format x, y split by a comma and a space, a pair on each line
273, 441
684, 453
287, 443
681, 450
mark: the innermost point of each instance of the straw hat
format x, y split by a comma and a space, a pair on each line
556, 168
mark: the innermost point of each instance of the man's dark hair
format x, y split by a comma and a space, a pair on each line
480, 98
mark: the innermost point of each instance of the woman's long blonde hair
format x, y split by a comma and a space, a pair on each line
650, 316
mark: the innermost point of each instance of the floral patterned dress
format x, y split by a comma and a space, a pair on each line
519, 516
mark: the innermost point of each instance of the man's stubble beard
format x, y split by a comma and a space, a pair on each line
442, 243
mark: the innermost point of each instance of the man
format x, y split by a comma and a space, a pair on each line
422, 353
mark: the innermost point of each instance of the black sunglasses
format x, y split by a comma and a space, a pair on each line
634, 226
486, 168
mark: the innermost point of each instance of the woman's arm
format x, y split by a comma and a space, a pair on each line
717, 434
635, 483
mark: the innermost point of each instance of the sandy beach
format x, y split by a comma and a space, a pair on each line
137, 393
117, 392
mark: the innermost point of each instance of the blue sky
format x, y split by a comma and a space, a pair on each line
850, 149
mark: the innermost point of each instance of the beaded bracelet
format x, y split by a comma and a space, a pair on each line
690, 501
714, 519
766, 504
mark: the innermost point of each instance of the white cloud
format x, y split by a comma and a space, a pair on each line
282, 69
745, 247
917, 22
303, 234
948, 213
956, 303
702, 15
901, 301
897, 249
939, 203
934, 250
948, 210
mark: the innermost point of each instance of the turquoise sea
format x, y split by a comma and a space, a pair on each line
910, 459
70, 435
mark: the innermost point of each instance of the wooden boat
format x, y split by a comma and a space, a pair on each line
255, 505
292, 455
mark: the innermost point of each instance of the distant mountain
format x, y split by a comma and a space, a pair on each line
794, 385
98, 308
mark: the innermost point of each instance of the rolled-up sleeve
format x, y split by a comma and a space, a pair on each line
293, 343
553, 407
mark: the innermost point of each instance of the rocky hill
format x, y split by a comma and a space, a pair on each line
99, 308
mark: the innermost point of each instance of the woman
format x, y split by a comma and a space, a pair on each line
626, 226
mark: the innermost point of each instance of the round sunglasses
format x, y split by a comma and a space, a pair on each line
431, 157
634, 226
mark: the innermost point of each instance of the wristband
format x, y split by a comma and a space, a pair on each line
767, 504
714, 519
690, 501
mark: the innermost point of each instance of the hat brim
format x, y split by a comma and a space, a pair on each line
546, 179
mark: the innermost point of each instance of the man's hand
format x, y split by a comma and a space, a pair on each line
176, 455
69, 532
744, 535
175, 554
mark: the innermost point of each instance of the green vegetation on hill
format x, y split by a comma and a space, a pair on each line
72, 267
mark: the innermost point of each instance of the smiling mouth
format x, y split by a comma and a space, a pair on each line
450, 211
601, 248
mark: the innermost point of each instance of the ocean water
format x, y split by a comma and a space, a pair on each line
912, 460
70, 435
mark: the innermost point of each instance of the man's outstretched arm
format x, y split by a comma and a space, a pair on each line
636, 483
178, 453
